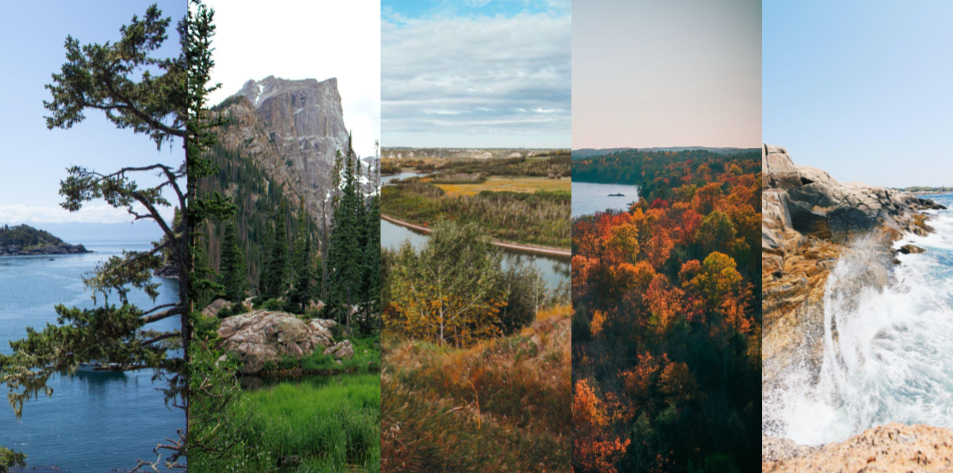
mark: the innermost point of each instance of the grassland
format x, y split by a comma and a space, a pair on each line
540, 218
501, 405
505, 184
325, 424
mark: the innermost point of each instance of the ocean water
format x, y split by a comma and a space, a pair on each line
94, 422
888, 353
589, 198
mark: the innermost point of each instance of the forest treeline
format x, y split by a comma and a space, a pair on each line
666, 322
26, 236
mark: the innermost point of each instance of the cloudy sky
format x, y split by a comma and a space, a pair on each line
312, 39
33, 159
666, 73
476, 73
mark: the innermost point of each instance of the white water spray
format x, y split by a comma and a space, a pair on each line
887, 347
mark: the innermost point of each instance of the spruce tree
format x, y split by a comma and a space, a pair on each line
301, 292
233, 273
345, 254
276, 272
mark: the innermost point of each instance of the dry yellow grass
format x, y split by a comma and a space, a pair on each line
499, 184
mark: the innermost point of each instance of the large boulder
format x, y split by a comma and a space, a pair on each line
262, 336
341, 350
215, 307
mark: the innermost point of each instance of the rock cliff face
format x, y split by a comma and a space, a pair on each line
808, 220
294, 129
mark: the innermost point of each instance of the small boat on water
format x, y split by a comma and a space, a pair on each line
616, 195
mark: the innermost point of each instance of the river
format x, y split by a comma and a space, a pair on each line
888, 353
552, 270
94, 422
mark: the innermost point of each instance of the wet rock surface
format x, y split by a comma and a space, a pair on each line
809, 221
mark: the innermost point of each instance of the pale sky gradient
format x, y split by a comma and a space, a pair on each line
653, 73
476, 73
305, 39
33, 159
862, 88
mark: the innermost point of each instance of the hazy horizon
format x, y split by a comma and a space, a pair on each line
647, 74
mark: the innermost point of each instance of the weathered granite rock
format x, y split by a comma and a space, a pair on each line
293, 129
341, 350
911, 249
215, 307
808, 218
893, 448
262, 336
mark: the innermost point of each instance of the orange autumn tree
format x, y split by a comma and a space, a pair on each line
665, 335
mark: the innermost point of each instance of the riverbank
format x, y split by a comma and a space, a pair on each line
537, 250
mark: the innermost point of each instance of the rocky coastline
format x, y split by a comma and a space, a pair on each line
808, 221
60, 249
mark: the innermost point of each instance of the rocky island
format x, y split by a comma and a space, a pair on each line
24, 240
809, 222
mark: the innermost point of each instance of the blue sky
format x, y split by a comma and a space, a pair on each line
477, 73
33, 159
862, 88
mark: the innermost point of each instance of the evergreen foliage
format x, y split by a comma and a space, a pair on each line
26, 236
233, 277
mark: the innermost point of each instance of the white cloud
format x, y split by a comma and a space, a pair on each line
305, 40
96, 213
475, 76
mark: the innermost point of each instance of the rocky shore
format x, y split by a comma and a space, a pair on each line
60, 249
886, 449
808, 221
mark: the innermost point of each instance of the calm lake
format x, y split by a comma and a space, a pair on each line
94, 422
589, 198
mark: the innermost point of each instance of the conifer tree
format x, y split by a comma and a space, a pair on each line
276, 272
233, 273
345, 254
301, 289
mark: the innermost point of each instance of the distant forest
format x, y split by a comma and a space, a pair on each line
26, 236
660, 173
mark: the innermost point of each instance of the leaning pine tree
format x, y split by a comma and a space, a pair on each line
144, 94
